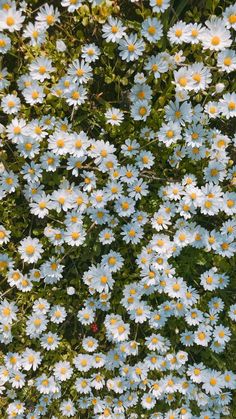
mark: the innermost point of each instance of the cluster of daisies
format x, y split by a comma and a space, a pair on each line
115, 186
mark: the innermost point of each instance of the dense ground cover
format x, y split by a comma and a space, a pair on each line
117, 126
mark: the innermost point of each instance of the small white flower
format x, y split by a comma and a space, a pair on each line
30, 250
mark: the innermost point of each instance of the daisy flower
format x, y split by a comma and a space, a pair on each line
34, 93
4, 235
76, 95
226, 60
62, 370
140, 110
212, 382
178, 33
114, 116
49, 341
131, 47
67, 407
5, 43
229, 17
80, 71
194, 32
215, 37
36, 32
41, 68
72, 6
30, 250
11, 19
156, 66
159, 6
152, 29
114, 30
90, 53
48, 15
10, 104
227, 106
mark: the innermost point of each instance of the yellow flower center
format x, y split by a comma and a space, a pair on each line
178, 33
227, 61
10, 21
152, 30
131, 47
215, 40
30, 249
50, 19
232, 19
42, 69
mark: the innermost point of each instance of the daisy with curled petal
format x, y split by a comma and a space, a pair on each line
30, 250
